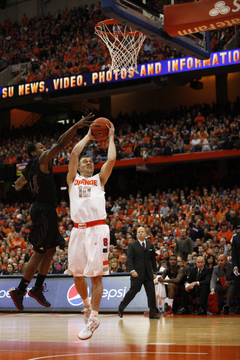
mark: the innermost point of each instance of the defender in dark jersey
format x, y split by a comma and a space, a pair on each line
44, 235
177, 277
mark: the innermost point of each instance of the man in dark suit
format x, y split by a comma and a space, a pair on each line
142, 266
197, 285
236, 264
222, 281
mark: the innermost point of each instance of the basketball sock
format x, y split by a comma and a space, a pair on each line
23, 284
39, 281
94, 315
86, 302
170, 302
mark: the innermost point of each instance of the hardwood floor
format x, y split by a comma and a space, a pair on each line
25, 336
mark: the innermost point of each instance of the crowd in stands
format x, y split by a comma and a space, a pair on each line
154, 133
65, 44
207, 218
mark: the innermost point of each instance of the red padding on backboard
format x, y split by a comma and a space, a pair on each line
193, 17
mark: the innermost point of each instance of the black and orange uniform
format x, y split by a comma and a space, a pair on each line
44, 233
174, 275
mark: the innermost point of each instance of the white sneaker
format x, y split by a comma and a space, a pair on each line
89, 329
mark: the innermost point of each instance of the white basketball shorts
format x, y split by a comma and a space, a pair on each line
88, 251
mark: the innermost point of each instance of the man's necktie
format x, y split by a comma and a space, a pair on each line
198, 274
143, 245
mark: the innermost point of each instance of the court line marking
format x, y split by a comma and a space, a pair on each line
119, 353
161, 343
12, 340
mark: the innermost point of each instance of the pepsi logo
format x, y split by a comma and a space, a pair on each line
73, 296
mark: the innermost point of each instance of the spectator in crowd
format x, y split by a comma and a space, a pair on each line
233, 220
196, 231
225, 233
211, 262
10, 269
17, 243
114, 266
184, 245
53, 270
195, 143
63, 262
199, 120
198, 243
125, 268
2, 271
164, 209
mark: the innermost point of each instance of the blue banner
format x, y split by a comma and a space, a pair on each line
63, 296
158, 68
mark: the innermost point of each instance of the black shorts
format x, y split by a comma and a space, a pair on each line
44, 234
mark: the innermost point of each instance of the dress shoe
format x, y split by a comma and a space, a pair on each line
120, 312
154, 317
226, 310
202, 311
184, 311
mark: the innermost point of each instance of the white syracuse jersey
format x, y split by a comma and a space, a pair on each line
88, 246
87, 199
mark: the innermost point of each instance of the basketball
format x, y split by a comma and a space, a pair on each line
99, 128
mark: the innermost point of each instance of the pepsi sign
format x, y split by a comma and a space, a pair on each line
73, 296
63, 296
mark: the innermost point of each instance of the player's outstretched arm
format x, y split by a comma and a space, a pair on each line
107, 167
64, 139
74, 157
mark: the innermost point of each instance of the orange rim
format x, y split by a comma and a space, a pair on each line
112, 22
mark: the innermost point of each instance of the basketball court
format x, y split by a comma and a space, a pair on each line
39, 336
26, 336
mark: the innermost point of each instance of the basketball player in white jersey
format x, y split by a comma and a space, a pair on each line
89, 241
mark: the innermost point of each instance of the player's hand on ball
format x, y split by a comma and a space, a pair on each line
85, 121
90, 135
111, 129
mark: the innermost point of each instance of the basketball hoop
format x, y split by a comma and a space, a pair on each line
123, 44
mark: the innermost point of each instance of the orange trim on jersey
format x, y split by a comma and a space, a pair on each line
89, 224
105, 262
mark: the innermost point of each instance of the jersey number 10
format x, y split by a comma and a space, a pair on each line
84, 191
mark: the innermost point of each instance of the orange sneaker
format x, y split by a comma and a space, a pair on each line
169, 311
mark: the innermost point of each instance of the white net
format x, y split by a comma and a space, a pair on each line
123, 44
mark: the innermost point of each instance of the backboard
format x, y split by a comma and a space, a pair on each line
143, 18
